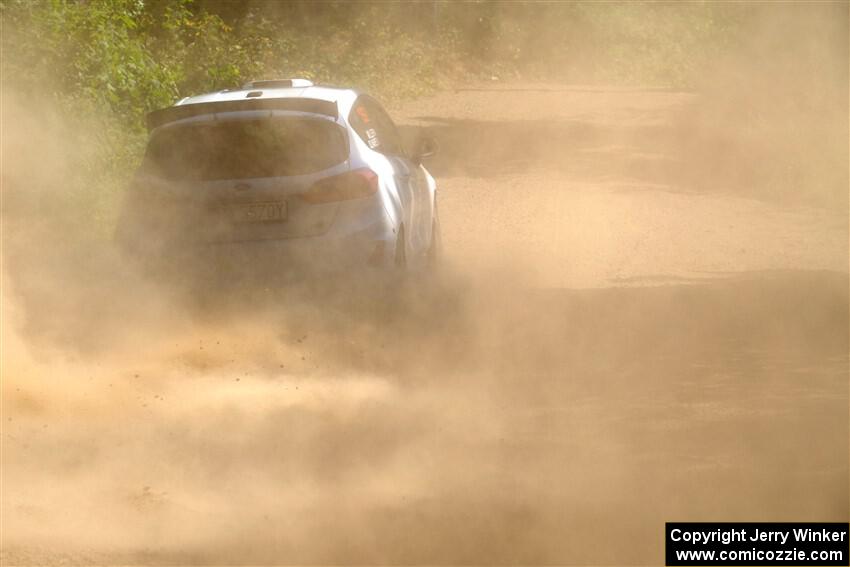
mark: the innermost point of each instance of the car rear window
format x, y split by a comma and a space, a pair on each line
240, 149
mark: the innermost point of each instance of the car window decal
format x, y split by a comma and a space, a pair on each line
362, 113
372, 136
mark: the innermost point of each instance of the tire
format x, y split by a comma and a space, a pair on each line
435, 249
400, 259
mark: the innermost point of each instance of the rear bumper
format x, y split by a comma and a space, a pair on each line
361, 236
372, 248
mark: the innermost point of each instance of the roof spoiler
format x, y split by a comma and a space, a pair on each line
277, 84
157, 118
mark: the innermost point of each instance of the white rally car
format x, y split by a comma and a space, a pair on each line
295, 175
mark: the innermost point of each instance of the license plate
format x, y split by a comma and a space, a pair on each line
258, 212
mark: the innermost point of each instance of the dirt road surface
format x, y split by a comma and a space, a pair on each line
614, 346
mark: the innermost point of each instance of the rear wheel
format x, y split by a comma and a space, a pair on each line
435, 249
400, 260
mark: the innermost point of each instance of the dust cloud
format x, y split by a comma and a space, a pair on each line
639, 319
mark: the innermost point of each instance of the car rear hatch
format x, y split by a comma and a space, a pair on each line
246, 175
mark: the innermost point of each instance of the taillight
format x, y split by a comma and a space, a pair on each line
354, 184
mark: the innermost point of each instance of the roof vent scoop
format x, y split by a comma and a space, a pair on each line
278, 84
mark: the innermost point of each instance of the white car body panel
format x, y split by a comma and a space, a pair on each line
341, 234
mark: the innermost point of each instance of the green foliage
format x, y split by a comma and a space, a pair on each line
131, 56
118, 54
105, 64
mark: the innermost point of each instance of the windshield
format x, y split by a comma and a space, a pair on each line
240, 149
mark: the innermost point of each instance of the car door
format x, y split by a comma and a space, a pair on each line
377, 129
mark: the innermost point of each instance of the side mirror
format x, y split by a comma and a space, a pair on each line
425, 147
